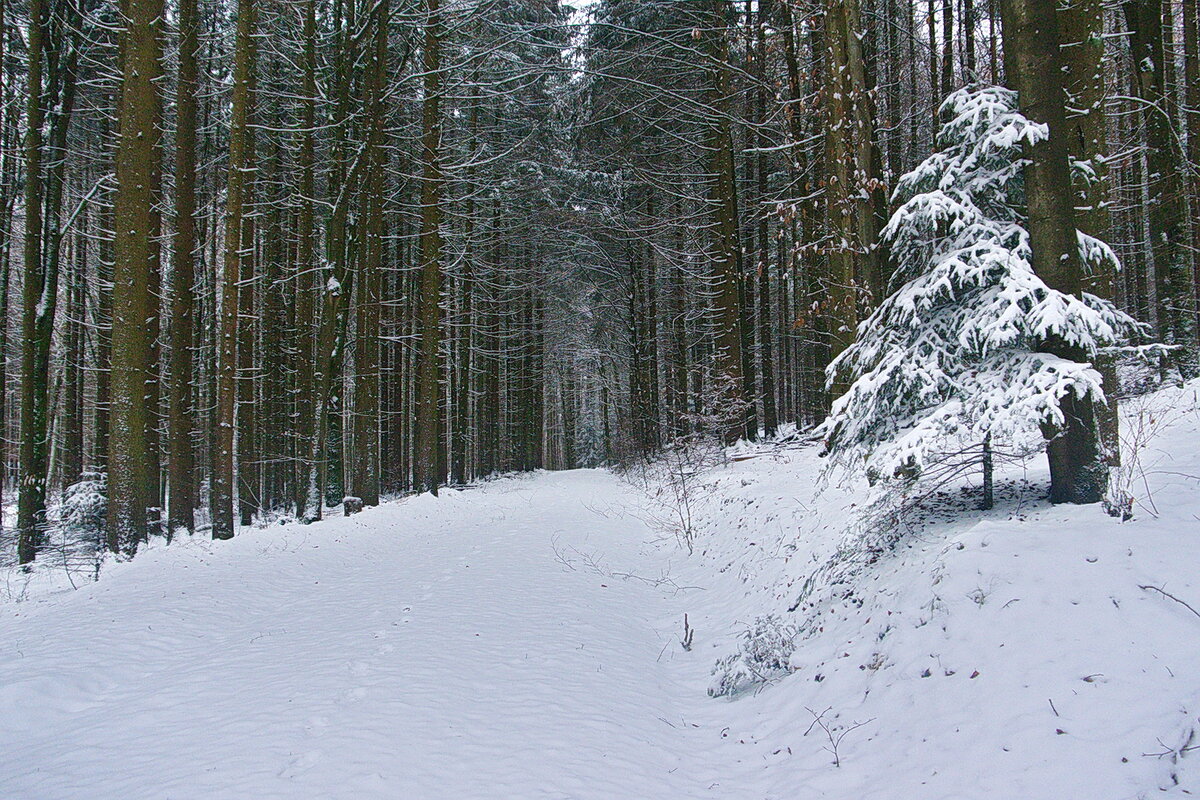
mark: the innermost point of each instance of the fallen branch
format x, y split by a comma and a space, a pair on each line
1170, 596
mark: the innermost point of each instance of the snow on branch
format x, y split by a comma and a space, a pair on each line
956, 352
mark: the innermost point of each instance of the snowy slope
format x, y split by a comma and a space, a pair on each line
522, 640
1007, 654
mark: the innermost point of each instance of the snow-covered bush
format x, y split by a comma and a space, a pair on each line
952, 357
76, 530
84, 510
764, 653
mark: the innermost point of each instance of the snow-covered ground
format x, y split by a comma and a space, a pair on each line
523, 640
427, 648
1006, 654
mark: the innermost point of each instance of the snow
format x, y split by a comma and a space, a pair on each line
427, 648
522, 639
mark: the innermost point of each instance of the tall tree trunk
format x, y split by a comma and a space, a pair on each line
766, 352
365, 473
181, 426
1034, 68
937, 92
31, 502
429, 369
276, 340
855, 279
52, 54
722, 200
947, 47
6, 169
1082, 29
8, 185
968, 26
223, 472
103, 317
1191, 56
136, 256
73, 366
1166, 203
246, 413
305, 271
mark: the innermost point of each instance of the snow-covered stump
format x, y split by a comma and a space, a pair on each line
351, 505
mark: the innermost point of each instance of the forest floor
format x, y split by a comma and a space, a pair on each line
523, 639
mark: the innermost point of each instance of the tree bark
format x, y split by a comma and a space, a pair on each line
1034, 68
722, 199
1082, 29
766, 352
224, 457
1191, 56
429, 443
365, 483
1166, 204
31, 469
181, 428
306, 269
855, 278
135, 261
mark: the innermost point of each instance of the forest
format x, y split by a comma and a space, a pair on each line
261, 256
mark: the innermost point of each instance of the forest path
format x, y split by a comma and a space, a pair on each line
470, 646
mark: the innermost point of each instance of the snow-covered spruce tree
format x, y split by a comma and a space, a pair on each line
954, 357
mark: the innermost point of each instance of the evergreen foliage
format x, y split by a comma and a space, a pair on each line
956, 352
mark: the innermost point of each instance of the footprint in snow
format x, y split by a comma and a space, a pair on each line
301, 764
353, 695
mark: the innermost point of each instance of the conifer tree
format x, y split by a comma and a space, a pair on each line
956, 356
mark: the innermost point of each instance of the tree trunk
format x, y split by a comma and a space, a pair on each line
222, 493
31, 470
947, 47
722, 199
968, 26
135, 261
1191, 55
429, 369
1166, 203
181, 428
936, 91
1082, 29
1034, 68
73, 356
766, 331
855, 279
365, 483
306, 269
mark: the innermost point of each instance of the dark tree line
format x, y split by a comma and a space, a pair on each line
259, 256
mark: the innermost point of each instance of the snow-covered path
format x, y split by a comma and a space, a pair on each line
424, 649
